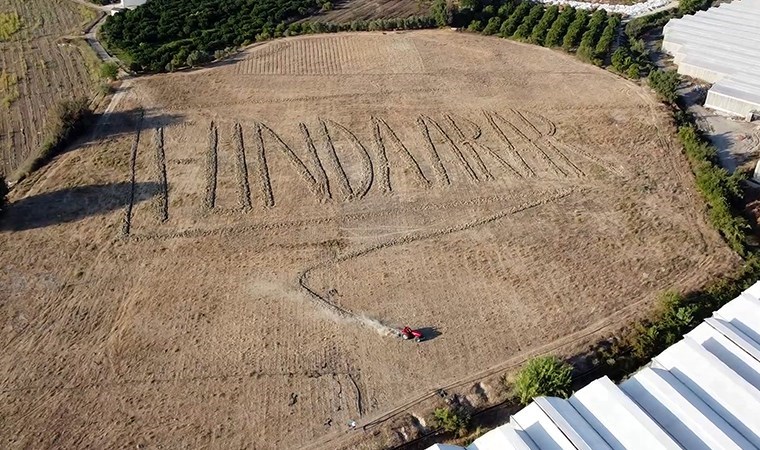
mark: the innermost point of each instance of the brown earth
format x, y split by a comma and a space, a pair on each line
48, 65
225, 271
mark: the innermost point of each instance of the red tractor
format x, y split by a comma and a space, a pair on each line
408, 333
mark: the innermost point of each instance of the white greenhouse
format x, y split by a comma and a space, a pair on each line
701, 393
721, 46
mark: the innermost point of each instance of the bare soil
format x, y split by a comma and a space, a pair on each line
48, 66
223, 264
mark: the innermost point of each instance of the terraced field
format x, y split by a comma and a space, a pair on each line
224, 265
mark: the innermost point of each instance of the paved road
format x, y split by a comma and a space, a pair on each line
92, 39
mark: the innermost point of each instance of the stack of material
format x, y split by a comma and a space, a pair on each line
721, 46
701, 393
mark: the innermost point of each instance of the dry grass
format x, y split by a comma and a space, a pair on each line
46, 70
226, 270
10, 24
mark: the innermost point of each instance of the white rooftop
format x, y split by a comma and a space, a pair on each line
701, 393
721, 46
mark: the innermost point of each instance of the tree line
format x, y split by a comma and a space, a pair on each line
165, 34
589, 34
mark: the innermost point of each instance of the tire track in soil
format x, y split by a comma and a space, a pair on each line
384, 167
127, 223
440, 169
244, 188
457, 151
544, 139
469, 145
344, 313
311, 150
317, 188
344, 186
623, 315
539, 151
511, 148
212, 167
162, 199
237, 230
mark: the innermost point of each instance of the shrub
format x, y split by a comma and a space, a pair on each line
109, 71
530, 21
507, 9
66, 121
453, 419
327, 6
442, 13
608, 35
633, 71
692, 6
475, 25
543, 376
538, 34
586, 49
559, 28
719, 188
492, 27
197, 57
575, 30
510, 25
665, 83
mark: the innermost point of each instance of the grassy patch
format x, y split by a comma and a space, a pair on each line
10, 24
8, 88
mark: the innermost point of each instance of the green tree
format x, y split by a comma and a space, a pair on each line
608, 35
526, 27
559, 28
621, 59
506, 9
197, 57
492, 27
442, 13
475, 25
543, 376
633, 71
538, 34
665, 84
692, 6
515, 19
575, 30
109, 71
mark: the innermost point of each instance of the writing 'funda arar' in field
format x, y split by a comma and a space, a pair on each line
337, 163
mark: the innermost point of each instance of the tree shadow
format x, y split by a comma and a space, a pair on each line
72, 204
121, 123
429, 333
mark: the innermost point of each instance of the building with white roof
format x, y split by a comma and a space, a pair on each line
701, 393
721, 46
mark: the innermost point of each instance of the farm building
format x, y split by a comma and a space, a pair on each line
701, 393
721, 46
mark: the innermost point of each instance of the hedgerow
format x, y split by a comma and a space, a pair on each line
575, 31
538, 35
559, 28
590, 37
530, 21
515, 19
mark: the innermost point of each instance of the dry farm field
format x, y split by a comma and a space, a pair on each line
38, 67
222, 266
